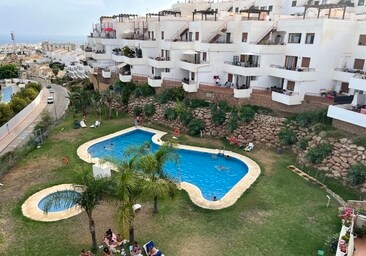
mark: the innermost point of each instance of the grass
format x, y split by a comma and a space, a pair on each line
280, 214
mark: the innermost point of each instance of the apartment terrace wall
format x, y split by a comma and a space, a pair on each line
350, 128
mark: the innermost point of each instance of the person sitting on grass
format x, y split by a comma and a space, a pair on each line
85, 253
135, 249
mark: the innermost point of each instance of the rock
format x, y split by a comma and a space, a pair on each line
359, 148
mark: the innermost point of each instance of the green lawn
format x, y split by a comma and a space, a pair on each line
281, 214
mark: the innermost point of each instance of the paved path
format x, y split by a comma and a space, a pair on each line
18, 136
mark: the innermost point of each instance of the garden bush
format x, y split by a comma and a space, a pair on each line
126, 91
360, 141
185, 117
303, 144
170, 114
316, 154
137, 110
356, 174
196, 103
149, 109
246, 114
233, 122
332, 243
195, 126
144, 90
218, 112
308, 119
173, 94
287, 136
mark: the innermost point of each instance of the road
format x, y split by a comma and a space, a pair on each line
57, 109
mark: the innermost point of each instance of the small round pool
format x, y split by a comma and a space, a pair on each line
63, 204
34, 206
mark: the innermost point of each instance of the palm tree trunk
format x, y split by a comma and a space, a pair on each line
155, 204
131, 234
92, 232
110, 111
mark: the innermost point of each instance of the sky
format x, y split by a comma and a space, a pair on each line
67, 17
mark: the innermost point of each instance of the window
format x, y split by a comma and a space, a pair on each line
204, 56
316, 2
263, 7
236, 9
290, 85
270, 8
362, 40
162, 35
152, 35
361, 2
359, 63
244, 37
305, 63
293, 3
291, 62
162, 53
197, 36
294, 38
309, 38
167, 70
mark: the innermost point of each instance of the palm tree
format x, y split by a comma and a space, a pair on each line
129, 189
152, 166
94, 190
108, 98
80, 100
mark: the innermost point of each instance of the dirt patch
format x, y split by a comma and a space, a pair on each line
255, 216
266, 158
68, 135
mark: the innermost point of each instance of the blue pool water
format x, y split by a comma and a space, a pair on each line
60, 206
213, 175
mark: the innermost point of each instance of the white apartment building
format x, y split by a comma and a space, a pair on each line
292, 49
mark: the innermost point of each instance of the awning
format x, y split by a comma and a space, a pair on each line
190, 52
250, 53
121, 65
108, 29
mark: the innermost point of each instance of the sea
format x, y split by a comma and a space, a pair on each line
35, 39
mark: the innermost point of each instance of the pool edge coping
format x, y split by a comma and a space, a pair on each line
193, 191
31, 210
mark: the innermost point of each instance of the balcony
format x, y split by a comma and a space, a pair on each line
88, 54
242, 68
160, 62
298, 74
346, 113
343, 74
106, 73
125, 76
287, 99
194, 66
190, 85
242, 93
134, 60
118, 58
155, 81
358, 82
264, 48
101, 56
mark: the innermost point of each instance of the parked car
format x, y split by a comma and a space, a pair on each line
48, 86
50, 100
51, 90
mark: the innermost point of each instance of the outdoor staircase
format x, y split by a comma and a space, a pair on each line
266, 34
215, 36
180, 33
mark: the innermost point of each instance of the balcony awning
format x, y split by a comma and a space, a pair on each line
190, 52
121, 65
250, 53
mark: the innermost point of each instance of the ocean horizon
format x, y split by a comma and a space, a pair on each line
35, 39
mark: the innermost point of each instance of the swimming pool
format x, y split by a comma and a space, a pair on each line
213, 174
61, 205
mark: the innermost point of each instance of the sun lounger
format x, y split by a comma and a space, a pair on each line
82, 124
249, 147
147, 247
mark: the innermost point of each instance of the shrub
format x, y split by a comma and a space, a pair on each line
149, 109
137, 110
360, 141
185, 117
126, 90
45, 123
233, 122
303, 144
144, 90
246, 114
197, 103
316, 154
306, 119
218, 115
332, 243
195, 126
170, 114
357, 174
173, 94
287, 136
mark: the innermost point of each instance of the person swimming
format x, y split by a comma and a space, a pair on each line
221, 168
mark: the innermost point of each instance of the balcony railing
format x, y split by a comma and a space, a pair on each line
160, 58
350, 70
299, 69
243, 64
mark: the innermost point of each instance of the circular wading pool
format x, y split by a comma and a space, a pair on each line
34, 206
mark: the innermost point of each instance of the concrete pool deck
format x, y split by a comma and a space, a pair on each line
193, 191
31, 210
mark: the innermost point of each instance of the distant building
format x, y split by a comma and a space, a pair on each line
47, 46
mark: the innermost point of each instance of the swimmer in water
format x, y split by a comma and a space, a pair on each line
221, 168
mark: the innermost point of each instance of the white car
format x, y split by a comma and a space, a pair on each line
50, 100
